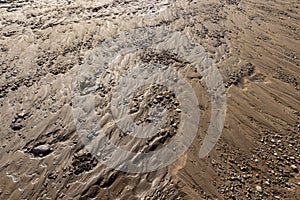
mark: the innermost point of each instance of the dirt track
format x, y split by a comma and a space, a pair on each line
255, 45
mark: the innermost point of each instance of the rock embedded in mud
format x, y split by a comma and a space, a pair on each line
16, 127
42, 150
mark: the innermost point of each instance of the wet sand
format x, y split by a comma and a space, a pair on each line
255, 45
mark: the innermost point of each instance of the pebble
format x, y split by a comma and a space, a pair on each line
272, 140
295, 168
42, 150
259, 188
267, 183
178, 110
159, 97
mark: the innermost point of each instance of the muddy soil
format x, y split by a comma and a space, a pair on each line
254, 44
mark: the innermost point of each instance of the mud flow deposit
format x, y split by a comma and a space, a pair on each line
149, 99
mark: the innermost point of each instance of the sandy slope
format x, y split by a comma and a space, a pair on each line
254, 43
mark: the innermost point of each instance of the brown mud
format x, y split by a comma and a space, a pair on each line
255, 45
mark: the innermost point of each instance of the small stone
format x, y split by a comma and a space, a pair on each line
288, 185
133, 110
16, 127
272, 140
243, 168
22, 114
295, 168
267, 182
42, 150
259, 188
159, 97
178, 110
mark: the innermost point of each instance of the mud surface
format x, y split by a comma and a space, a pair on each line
255, 45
